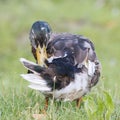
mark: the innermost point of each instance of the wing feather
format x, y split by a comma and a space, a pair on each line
36, 82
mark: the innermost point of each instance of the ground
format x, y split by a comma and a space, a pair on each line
98, 20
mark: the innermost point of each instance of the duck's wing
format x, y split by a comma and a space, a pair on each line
34, 78
56, 76
64, 43
81, 50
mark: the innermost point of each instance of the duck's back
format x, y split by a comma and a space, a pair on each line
80, 47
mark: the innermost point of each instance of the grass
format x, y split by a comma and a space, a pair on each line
96, 19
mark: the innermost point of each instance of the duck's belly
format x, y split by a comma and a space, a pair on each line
74, 90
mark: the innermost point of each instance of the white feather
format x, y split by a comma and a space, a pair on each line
22, 60
91, 68
27, 61
54, 57
36, 82
40, 88
33, 78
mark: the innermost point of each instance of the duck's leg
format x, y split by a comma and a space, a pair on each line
78, 102
46, 103
43, 114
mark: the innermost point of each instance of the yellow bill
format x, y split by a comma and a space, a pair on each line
41, 55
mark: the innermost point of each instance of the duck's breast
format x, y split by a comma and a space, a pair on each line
75, 89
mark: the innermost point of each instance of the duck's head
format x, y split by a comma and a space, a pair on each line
39, 37
39, 33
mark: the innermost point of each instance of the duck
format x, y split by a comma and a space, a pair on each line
66, 66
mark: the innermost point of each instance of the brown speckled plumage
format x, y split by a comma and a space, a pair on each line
71, 67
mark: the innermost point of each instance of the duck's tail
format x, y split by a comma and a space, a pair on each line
35, 79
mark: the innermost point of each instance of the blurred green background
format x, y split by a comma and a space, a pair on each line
99, 20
